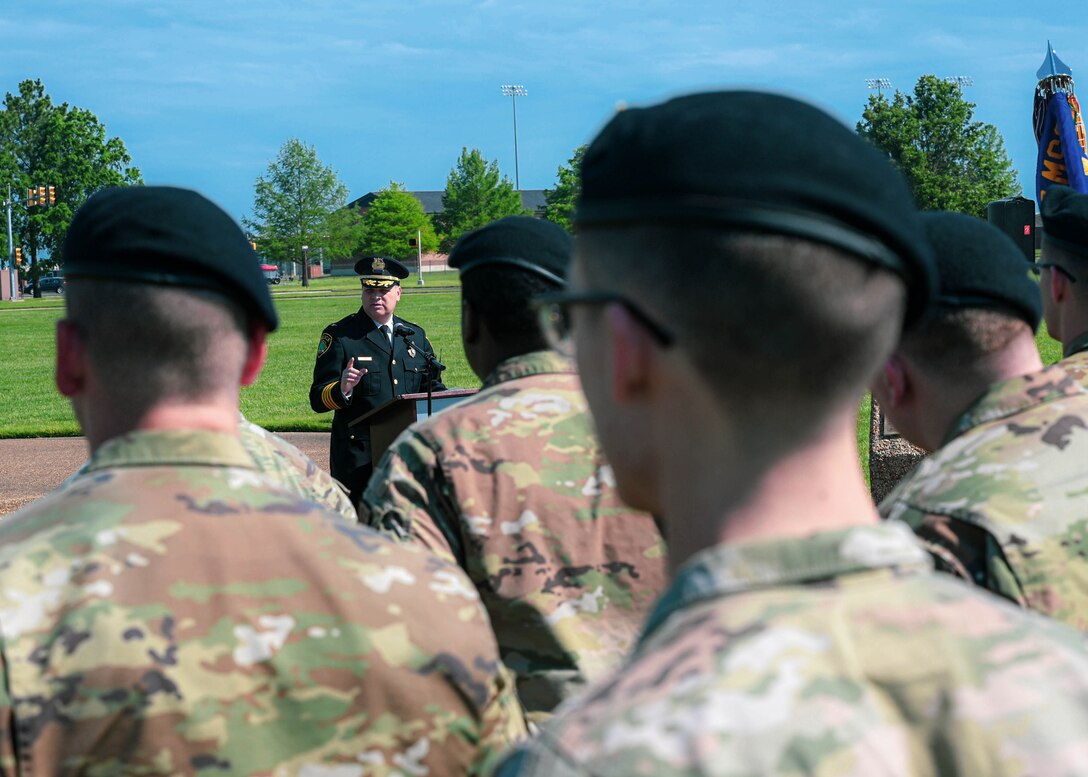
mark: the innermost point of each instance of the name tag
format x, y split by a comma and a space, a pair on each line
364, 358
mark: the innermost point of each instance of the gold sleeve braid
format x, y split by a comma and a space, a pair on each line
326, 397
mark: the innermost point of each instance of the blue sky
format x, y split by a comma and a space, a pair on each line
204, 93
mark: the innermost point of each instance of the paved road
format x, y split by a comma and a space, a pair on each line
33, 467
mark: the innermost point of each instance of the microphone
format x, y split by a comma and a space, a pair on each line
400, 330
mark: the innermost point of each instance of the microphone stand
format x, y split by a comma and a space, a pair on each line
433, 366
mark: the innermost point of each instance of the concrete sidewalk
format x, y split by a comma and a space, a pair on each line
33, 467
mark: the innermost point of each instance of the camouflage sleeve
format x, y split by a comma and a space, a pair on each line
409, 497
538, 757
1000, 577
503, 726
8, 762
294, 470
966, 550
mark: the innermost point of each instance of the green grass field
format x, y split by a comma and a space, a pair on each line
31, 407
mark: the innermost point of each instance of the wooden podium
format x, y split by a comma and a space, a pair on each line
396, 415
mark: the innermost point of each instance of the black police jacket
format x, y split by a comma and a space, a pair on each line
390, 372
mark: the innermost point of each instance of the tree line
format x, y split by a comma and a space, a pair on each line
300, 201
951, 161
43, 144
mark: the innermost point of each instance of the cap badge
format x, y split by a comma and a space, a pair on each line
378, 265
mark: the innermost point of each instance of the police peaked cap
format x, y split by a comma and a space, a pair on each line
167, 236
757, 162
1065, 219
529, 244
380, 272
978, 266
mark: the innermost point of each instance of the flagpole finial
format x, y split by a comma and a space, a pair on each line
1052, 65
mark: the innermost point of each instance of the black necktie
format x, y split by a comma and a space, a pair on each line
387, 332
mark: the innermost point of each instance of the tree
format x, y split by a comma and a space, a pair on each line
475, 195
344, 231
44, 144
394, 217
561, 199
293, 203
952, 162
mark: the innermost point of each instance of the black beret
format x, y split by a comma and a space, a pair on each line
757, 161
1065, 219
534, 245
978, 266
380, 272
167, 236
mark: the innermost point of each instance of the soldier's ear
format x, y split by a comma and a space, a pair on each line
470, 322
631, 354
892, 384
1059, 285
256, 351
71, 364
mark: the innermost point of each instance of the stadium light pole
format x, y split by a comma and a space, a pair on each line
514, 91
960, 81
879, 84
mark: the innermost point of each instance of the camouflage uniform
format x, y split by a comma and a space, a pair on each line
1076, 359
292, 469
1005, 501
511, 484
172, 612
287, 467
838, 654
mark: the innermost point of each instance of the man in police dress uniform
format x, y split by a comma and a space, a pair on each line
362, 363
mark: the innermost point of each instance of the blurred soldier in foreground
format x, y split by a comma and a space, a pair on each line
800, 635
363, 361
512, 484
171, 611
1063, 275
292, 469
1004, 499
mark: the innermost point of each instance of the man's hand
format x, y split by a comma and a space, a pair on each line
350, 377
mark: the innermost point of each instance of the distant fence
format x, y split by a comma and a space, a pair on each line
431, 263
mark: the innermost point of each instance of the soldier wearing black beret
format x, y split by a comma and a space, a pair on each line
185, 584
744, 263
524, 449
1063, 273
362, 363
969, 386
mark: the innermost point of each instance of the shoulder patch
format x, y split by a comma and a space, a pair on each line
325, 344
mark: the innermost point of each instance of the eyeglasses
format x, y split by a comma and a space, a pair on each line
1038, 267
553, 312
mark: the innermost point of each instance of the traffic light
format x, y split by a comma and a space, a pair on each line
42, 195
31, 197
412, 242
18, 255
52, 195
